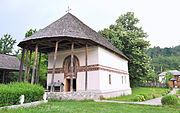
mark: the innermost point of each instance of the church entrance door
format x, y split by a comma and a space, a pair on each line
67, 72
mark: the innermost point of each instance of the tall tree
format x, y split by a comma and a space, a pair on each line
30, 32
6, 44
128, 38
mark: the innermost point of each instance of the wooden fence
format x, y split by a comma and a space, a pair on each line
163, 85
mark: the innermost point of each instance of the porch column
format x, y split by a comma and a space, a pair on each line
21, 66
34, 65
4, 72
25, 75
54, 64
37, 77
72, 66
86, 48
29, 65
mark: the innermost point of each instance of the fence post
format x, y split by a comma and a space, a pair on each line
45, 97
21, 99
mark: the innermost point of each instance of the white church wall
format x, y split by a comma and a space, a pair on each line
119, 82
80, 53
92, 81
111, 59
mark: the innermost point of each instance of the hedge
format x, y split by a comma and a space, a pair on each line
169, 100
10, 93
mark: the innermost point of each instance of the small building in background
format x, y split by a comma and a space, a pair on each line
8, 63
162, 75
175, 81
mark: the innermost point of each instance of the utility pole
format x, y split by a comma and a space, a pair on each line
161, 69
154, 75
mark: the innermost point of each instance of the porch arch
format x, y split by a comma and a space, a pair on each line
67, 66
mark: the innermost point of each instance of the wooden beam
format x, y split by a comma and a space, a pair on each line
86, 48
29, 67
25, 75
34, 65
36, 74
4, 72
21, 66
54, 64
72, 66
37, 77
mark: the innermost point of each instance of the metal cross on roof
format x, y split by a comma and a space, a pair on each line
68, 9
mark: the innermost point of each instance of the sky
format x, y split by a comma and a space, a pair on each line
159, 18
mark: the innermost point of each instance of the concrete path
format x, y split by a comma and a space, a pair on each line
156, 101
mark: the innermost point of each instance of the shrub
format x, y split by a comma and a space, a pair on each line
101, 98
163, 94
169, 100
145, 96
10, 93
171, 88
155, 95
167, 91
139, 98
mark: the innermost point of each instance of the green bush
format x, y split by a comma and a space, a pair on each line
139, 98
163, 94
169, 100
145, 96
171, 88
10, 93
102, 98
154, 95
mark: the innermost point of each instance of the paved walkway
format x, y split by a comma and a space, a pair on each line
156, 101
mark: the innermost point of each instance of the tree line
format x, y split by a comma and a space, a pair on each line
165, 58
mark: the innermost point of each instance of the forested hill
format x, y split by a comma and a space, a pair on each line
167, 58
157, 51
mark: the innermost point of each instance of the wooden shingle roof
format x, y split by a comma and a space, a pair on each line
72, 27
9, 62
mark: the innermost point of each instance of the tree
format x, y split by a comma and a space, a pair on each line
6, 44
129, 39
30, 32
168, 77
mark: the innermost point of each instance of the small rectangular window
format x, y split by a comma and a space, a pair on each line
125, 79
109, 78
122, 79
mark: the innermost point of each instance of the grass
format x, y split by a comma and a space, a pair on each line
93, 107
178, 92
157, 92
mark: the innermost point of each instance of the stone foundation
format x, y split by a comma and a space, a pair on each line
72, 95
86, 95
110, 94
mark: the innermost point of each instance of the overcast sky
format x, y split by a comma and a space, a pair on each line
159, 18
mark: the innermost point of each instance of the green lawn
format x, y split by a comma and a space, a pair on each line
151, 93
93, 107
178, 92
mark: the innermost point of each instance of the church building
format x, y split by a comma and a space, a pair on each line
80, 59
